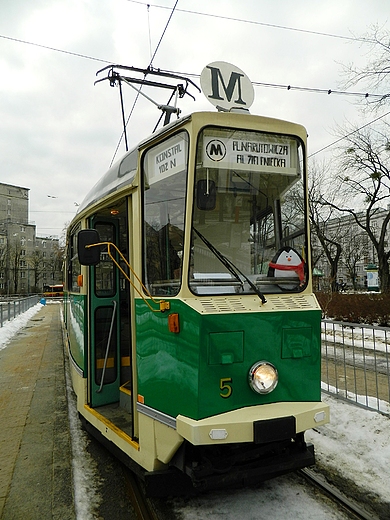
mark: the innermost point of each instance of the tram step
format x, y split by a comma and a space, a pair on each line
125, 397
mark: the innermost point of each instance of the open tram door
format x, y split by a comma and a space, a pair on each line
110, 343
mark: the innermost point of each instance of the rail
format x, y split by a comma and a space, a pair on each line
12, 308
349, 505
356, 364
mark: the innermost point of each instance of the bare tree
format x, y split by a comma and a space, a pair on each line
376, 73
365, 159
325, 219
56, 260
3, 266
15, 255
365, 179
354, 249
36, 263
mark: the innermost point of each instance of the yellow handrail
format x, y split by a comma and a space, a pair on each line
163, 305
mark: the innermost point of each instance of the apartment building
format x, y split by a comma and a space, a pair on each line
27, 261
358, 261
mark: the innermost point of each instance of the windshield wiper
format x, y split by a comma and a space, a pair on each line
232, 268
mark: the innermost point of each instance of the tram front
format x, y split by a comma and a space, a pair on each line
226, 241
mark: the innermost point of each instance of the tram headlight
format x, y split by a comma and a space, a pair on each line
263, 377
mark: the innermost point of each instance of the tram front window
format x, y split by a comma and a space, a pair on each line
165, 180
248, 230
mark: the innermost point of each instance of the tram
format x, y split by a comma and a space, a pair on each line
192, 327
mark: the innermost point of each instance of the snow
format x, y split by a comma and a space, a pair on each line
282, 497
10, 328
354, 446
85, 474
354, 336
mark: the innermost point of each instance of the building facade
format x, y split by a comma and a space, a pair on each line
358, 258
27, 262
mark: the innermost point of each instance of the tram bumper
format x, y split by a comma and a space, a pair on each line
244, 425
239, 448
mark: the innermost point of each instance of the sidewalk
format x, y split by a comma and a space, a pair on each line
35, 452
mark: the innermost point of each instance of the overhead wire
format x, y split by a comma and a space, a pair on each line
77, 54
150, 37
163, 33
293, 87
349, 134
318, 90
256, 83
254, 22
138, 93
234, 19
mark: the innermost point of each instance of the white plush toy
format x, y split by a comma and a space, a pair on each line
287, 263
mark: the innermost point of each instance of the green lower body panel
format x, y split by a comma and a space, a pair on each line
202, 370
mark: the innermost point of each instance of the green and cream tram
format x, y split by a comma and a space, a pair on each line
193, 330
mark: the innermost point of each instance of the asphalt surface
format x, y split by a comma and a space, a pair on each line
35, 455
36, 460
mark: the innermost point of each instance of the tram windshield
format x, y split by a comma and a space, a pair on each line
248, 227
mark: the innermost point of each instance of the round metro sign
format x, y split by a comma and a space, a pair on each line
226, 86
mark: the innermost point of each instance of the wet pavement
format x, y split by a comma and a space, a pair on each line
35, 448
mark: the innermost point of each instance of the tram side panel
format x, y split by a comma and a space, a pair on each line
76, 324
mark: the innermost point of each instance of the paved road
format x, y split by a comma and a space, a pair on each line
35, 455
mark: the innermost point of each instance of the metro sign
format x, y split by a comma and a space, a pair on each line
226, 86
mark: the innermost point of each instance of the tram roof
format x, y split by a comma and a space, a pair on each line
123, 172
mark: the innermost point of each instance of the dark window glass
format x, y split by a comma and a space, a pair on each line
74, 264
105, 269
104, 322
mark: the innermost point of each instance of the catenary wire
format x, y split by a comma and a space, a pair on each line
347, 135
254, 22
47, 47
270, 85
256, 83
149, 35
293, 87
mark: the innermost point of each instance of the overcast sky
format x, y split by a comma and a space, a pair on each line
59, 132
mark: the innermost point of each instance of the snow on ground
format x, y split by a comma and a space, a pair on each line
355, 445
284, 498
369, 337
10, 328
353, 449
85, 474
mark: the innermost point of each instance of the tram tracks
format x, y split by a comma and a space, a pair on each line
145, 511
351, 507
141, 504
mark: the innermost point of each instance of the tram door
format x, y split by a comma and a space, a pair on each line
109, 307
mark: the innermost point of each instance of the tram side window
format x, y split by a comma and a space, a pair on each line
104, 270
165, 179
74, 267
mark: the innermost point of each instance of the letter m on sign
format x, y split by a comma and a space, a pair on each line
233, 86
